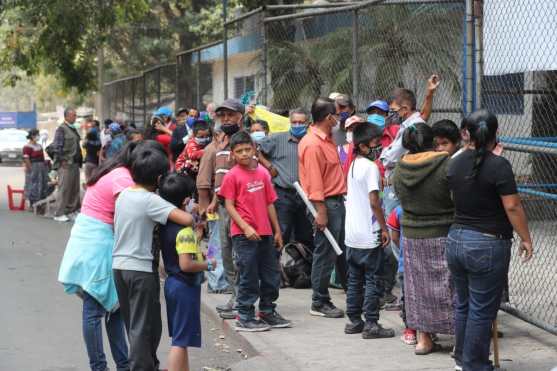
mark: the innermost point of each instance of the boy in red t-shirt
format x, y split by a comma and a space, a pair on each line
248, 197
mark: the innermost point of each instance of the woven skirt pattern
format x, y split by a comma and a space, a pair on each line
428, 287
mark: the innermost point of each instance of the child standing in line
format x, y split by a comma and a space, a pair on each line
249, 196
135, 264
446, 137
188, 160
184, 264
366, 237
393, 222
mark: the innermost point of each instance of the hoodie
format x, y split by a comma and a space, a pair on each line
420, 182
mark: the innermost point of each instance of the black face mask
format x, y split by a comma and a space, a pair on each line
394, 119
374, 153
230, 130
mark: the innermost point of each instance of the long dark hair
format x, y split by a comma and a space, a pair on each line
482, 126
123, 158
418, 138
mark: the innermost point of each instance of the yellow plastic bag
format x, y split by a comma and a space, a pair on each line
277, 123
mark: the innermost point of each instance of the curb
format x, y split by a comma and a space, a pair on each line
261, 354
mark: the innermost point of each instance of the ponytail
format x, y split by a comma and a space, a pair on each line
418, 138
482, 126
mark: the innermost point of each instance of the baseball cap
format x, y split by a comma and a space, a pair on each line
114, 127
181, 109
163, 111
344, 100
334, 95
352, 120
232, 105
379, 104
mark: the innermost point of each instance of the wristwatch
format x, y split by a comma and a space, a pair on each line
210, 266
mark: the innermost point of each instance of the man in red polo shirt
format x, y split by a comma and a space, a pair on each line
323, 181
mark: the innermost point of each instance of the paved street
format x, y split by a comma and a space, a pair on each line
41, 325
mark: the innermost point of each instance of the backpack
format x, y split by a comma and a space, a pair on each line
296, 265
50, 151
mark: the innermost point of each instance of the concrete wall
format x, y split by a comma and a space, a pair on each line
239, 65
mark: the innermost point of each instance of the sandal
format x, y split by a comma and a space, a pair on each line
434, 348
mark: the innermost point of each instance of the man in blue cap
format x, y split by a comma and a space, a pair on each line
166, 114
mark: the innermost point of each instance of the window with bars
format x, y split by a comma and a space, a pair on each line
243, 84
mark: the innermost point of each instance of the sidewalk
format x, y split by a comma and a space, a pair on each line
320, 344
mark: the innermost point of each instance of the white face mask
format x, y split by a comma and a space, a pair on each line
349, 136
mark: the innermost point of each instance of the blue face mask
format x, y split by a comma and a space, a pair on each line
376, 119
257, 136
190, 121
298, 131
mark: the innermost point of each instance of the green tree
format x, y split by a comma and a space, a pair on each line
398, 45
59, 37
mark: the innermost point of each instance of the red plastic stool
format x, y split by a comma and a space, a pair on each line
11, 205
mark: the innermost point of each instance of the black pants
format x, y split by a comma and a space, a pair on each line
138, 293
293, 217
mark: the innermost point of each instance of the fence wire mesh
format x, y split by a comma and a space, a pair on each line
291, 55
519, 84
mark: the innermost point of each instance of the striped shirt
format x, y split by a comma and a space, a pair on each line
282, 150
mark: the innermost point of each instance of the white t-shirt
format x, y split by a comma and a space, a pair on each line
362, 231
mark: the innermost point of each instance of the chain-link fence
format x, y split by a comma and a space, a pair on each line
488, 54
519, 84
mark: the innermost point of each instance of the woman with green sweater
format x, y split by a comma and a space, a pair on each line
420, 182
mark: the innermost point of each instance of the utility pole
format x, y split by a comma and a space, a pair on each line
225, 48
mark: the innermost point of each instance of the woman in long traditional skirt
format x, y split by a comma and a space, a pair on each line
36, 171
420, 182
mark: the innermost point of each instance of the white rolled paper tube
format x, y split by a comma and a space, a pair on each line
313, 212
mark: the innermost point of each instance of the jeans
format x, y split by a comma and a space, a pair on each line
365, 286
226, 251
479, 264
293, 218
259, 275
390, 202
93, 313
138, 294
324, 257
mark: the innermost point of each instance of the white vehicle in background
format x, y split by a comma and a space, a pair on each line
11, 145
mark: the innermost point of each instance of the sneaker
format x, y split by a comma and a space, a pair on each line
252, 325
373, 330
327, 310
458, 368
61, 218
274, 320
228, 314
354, 327
409, 337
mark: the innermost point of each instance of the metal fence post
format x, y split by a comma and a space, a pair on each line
225, 49
177, 102
479, 62
144, 99
158, 75
133, 101
197, 80
265, 63
355, 66
469, 77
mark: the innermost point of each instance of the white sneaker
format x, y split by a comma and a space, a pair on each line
62, 218
458, 368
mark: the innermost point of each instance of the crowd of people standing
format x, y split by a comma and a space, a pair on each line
432, 204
